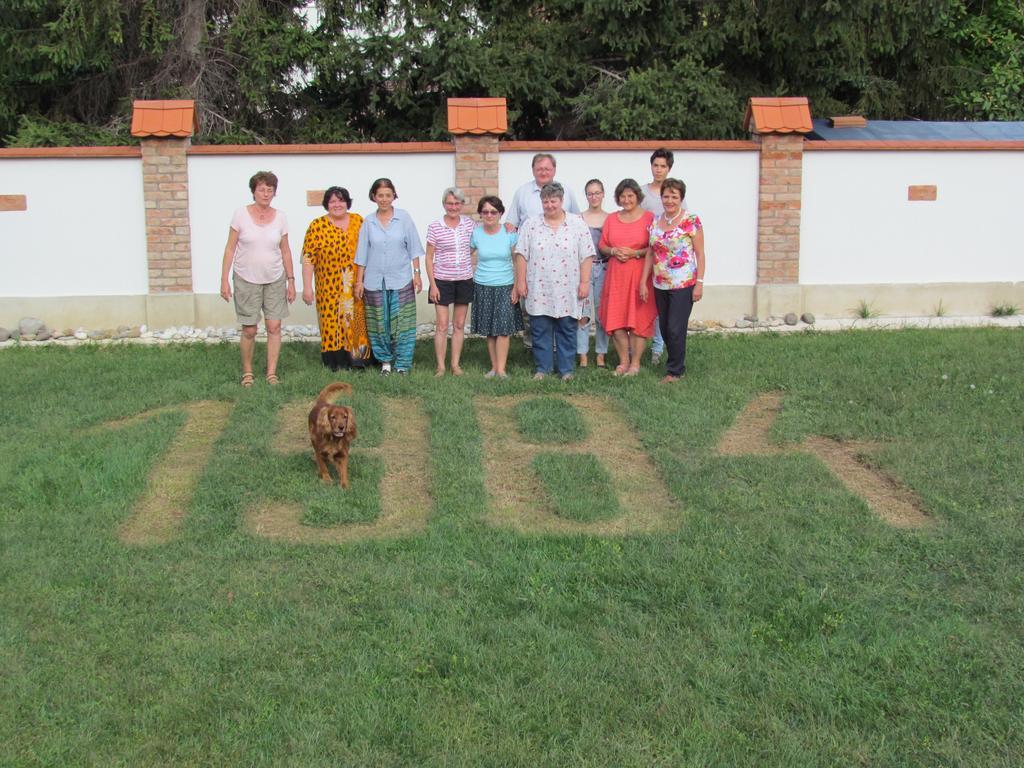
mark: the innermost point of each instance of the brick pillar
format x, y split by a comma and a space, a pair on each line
475, 125
168, 233
476, 167
779, 125
778, 209
166, 128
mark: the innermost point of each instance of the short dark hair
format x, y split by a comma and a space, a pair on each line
594, 181
665, 154
494, 201
262, 177
675, 184
339, 192
625, 184
382, 182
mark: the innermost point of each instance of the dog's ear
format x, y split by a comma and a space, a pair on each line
350, 425
323, 421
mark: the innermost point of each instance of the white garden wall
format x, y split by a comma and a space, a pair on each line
83, 233
220, 183
78, 254
858, 227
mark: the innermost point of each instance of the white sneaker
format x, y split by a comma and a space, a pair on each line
385, 369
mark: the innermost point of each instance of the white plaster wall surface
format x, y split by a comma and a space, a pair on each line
857, 226
84, 233
219, 184
721, 188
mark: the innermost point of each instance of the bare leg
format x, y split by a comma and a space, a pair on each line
501, 354
273, 345
458, 335
246, 344
441, 337
636, 351
492, 351
621, 341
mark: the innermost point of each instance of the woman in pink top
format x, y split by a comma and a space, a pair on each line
623, 314
259, 260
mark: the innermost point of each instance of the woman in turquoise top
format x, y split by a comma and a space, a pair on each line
494, 296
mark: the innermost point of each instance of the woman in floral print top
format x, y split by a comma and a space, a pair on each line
676, 259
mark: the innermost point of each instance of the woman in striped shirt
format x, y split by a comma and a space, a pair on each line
450, 272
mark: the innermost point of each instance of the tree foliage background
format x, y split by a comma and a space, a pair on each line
285, 71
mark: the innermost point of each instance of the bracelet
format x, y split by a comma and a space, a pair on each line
292, 279
700, 281
416, 271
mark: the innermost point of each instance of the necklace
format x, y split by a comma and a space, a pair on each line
671, 222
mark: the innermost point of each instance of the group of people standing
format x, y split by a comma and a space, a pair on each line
550, 271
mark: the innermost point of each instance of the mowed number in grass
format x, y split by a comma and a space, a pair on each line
770, 619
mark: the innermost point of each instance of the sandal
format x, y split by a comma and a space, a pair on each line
248, 380
620, 370
272, 379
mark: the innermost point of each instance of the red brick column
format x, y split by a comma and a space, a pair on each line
166, 129
475, 125
779, 124
168, 232
476, 166
778, 212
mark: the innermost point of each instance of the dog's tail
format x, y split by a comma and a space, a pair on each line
328, 392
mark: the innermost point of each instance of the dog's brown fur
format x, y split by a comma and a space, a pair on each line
332, 428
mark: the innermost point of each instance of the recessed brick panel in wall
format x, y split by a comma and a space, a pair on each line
923, 192
13, 203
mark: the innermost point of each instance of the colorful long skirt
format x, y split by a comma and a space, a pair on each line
391, 325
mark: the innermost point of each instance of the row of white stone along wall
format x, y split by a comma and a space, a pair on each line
107, 237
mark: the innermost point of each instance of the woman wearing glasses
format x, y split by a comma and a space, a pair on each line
494, 313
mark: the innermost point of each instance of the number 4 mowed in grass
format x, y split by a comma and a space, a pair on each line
521, 476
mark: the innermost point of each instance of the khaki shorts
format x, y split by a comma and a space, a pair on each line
252, 298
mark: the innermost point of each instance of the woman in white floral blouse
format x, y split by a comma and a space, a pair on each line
554, 253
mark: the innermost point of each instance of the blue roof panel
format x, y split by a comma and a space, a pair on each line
920, 130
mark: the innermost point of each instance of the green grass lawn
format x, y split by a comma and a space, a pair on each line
776, 621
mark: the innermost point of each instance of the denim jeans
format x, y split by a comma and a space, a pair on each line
658, 345
545, 330
583, 333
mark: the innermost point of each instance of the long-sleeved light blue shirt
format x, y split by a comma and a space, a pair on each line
386, 253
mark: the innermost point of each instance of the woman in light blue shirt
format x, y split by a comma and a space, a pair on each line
387, 256
494, 294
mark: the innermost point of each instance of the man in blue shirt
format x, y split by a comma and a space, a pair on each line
526, 202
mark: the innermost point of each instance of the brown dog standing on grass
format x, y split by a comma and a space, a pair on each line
332, 428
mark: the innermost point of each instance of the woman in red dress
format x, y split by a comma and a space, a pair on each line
623, 314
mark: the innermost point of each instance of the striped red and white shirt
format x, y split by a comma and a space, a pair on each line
452, 259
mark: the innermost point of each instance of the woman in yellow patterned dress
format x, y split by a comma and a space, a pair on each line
328, 252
